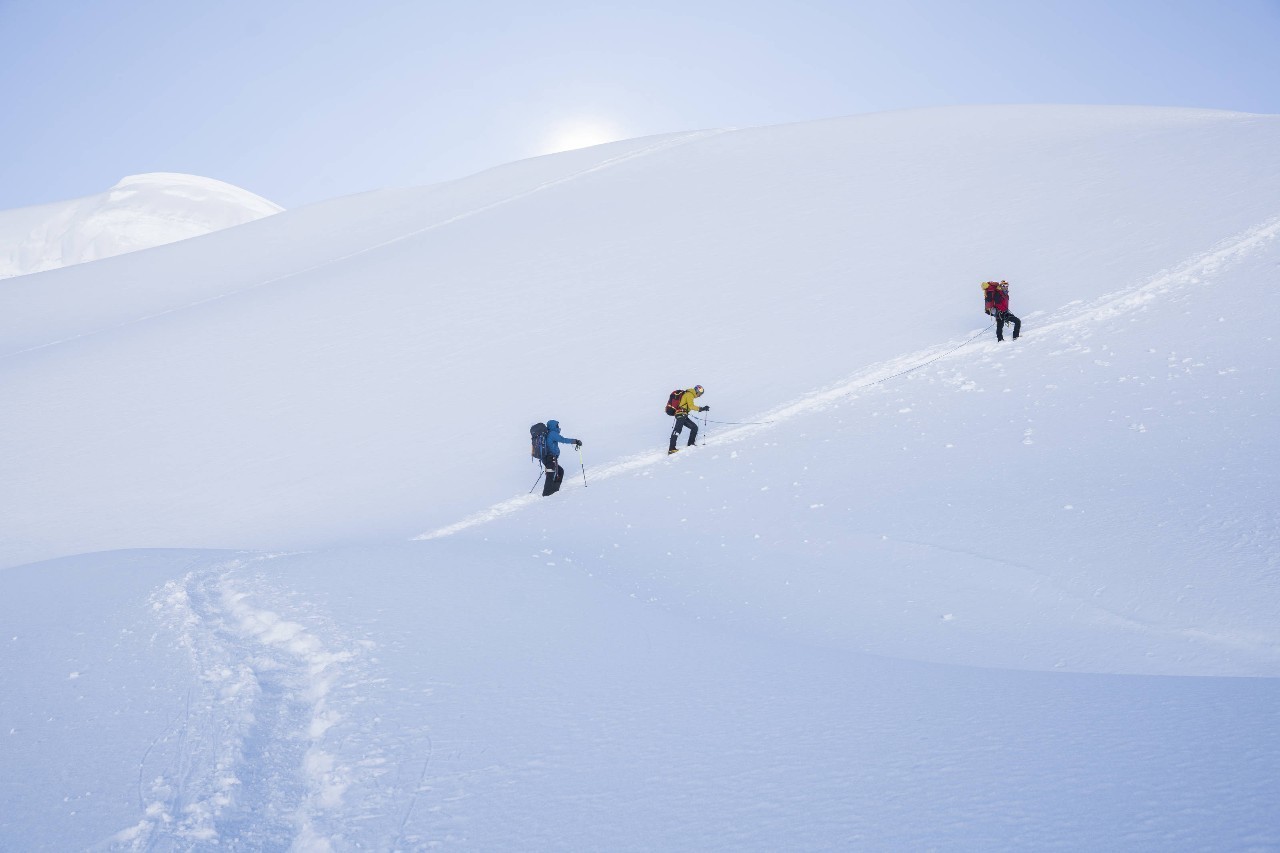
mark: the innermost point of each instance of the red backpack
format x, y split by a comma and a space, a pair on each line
673, 402
994, 292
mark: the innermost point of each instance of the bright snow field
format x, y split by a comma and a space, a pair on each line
276, 584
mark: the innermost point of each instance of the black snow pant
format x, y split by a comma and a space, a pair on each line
554, 475
1003, 317
683, 421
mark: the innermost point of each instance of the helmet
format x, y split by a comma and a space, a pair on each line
697, 390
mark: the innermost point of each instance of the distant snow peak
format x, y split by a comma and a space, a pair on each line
139, 212
192, 188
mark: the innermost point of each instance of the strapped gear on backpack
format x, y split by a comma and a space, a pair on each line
673, 402
994, 294
538, 441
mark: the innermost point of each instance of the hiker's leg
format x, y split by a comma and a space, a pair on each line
1017, 326
693, 432
549, 481
999, 325
555, 476
675, 432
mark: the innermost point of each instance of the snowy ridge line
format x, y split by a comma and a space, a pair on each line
670, 142
247, 763
1220, 255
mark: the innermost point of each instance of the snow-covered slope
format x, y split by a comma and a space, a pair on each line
139, 212
918, 590
362, 369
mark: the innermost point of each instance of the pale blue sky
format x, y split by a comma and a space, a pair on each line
303, 101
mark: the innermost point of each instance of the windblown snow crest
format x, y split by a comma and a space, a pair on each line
139, 212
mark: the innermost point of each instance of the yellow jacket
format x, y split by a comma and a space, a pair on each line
687, 403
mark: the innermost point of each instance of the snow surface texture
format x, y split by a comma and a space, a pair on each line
139, 212
917, 589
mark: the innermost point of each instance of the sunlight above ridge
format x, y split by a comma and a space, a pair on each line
579, 133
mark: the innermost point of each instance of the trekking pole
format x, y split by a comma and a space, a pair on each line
704, 428
583, 467
535, 482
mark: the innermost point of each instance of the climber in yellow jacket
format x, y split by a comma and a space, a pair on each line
679, 405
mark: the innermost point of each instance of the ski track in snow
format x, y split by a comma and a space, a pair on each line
1065, 322
663, 144
248, 763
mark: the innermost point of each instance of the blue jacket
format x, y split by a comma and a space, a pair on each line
555, 439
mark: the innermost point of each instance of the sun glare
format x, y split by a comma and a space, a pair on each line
582, 133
